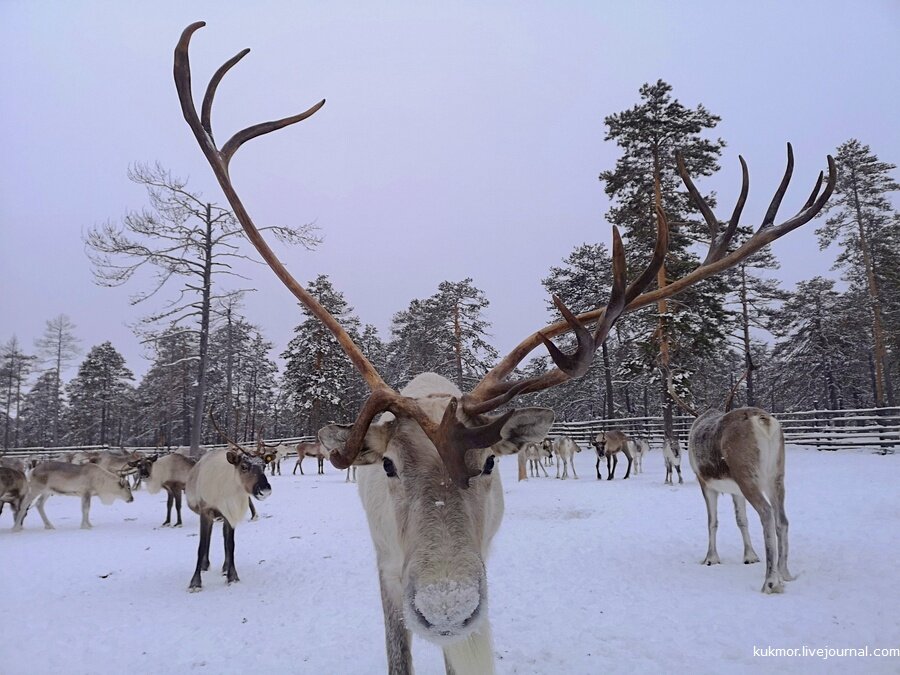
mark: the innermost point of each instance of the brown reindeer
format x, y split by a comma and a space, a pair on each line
311, 449
609, 444
428, 485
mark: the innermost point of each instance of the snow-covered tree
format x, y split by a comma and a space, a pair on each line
15, 366
98, 398
864, 222
56, 349
317, 371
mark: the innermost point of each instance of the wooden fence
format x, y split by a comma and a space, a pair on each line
877, 428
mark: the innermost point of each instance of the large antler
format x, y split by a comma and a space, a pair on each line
450, 437
494, 389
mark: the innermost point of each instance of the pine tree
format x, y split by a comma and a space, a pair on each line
317, 371
98, 397
444, 334
15, 367
863, 220
817, 349
649, 134
40, 404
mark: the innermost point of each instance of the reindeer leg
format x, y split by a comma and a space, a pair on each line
398, 639
169, 500
206, 524
178, 506
711, 497
628, 470
773, 582
572, 462
678, 469
85, 511
615, 462
538, 464
740, 514
23, 509
781, 523
228, 533
253, 515
40, 507
597, 466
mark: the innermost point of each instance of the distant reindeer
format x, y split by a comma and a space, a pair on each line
639, 448
13, 488
76, 480
672, 458
351, 474
609, 444
281, 450
565, 449
219, 487
534, 454
311, 449
741, 453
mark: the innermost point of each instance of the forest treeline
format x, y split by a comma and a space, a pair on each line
828, 343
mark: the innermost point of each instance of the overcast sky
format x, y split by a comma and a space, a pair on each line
458, 140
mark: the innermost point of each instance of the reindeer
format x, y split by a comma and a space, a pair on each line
609, 444
534, 454
311, 449
281, 450
639, 447
741, 452
219, 487
76, 480
351, 475
432, 498
672, 458
170, 473
565, 449
13, 487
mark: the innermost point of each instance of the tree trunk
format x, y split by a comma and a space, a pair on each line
607, 372
9, 382
745, 318
229, 366
457, 346
878, 347
200, 393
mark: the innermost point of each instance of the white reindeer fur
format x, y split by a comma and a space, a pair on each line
473, 653
165, 469
214, 482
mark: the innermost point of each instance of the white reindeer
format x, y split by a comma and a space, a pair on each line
219, 487
76, 480
565, 449
639, 447
533, 454
672, 458
435, 504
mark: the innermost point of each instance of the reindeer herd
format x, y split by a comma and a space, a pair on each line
427, 453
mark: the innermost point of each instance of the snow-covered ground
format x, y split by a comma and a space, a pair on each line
585, 577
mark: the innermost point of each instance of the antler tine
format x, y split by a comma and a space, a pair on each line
648, 276
206, 107
221, 433
617, 297
772, 211
814, 193
722, 245
699, 201
249, 133
579, 361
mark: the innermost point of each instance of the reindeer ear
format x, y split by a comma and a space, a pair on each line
233, 457
334, 436
525, 425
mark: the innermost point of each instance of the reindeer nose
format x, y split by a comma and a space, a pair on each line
447, 603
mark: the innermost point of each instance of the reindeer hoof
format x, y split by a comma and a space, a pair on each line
750, 559
773, 586
711, 560
195, 589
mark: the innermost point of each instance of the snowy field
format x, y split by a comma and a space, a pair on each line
585, 577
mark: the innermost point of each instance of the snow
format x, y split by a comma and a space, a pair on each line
585, 576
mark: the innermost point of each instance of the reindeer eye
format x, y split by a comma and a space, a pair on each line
389, 468
488, 466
